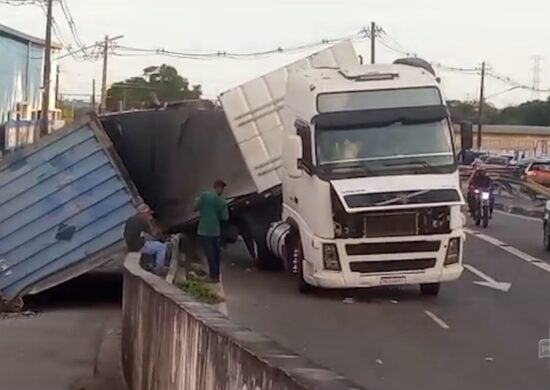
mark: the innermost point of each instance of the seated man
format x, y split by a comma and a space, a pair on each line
141, 235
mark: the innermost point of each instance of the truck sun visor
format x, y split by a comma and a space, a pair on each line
380, 117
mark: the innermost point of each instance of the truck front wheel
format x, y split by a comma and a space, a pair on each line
298, 264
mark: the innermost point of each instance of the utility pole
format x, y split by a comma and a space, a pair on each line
94, 107
480, 110
373, 42
44, 124
106, 45
103, 106
57, 86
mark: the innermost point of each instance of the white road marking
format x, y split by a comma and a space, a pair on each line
437, 320
533, 219
487, 280
514, 251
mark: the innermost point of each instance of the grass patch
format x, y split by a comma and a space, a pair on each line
200, 290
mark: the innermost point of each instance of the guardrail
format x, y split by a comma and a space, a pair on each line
510, 176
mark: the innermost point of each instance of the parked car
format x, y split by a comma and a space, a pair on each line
539, 171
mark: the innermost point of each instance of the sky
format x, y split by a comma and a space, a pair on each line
506, 34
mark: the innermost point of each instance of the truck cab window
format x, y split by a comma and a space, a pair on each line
305, 134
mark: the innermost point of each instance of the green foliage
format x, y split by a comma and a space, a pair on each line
200, 290
162, 81
533, 113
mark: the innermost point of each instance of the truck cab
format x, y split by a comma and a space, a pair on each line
370, 183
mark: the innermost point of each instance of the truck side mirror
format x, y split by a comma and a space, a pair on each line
293, 156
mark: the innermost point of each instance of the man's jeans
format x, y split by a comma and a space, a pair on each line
157, 249
212, 250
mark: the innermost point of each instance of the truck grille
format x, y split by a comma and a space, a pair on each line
391, 224
414, 221
392, 265
382, 248
401, 198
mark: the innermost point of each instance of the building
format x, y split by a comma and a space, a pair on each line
21, 70
534, 140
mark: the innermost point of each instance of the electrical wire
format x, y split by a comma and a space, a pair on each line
72, 25
127, 51
19, 3
383, 40
501, 92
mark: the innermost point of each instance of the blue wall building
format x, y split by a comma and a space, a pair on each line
21, 69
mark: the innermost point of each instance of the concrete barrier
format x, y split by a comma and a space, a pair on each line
171, 342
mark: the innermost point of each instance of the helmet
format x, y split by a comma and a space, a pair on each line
477, 164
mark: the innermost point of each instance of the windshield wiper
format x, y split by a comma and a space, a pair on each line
423, 163
361, 167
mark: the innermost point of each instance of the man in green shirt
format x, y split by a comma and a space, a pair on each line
212, 209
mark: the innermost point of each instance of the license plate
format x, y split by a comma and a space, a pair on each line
389, 280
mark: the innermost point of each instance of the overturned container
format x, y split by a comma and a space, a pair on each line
63, 205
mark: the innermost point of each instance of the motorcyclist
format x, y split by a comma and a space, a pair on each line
480, 180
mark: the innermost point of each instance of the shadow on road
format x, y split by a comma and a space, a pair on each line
241, 270
91, 290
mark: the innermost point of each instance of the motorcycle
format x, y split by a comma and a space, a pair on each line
481, 213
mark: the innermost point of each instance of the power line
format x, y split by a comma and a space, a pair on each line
501, 92
127, 51
19, 3
70, 21
384, 38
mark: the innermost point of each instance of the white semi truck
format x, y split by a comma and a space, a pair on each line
344, 174
363, 156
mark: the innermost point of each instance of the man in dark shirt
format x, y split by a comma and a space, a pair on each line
212, 209
140, 233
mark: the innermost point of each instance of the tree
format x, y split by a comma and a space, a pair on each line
161, 82
468, 111
533, 113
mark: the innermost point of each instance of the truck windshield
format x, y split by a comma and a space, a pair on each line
396, 146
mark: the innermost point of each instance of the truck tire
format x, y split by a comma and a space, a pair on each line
430, 289
297, 256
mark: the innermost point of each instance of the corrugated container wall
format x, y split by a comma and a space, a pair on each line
63, 205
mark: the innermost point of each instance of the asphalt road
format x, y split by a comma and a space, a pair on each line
469, 337
55, 345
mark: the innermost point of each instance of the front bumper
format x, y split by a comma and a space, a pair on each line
316, 275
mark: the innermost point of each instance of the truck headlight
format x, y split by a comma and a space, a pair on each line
453, 251
331, 261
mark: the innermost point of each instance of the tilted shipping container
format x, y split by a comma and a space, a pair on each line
63, 205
